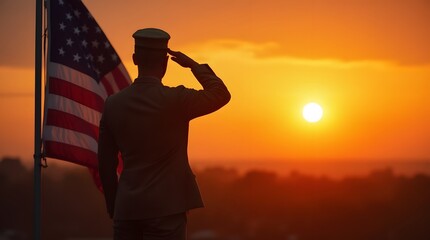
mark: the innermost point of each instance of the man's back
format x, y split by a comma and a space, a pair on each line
148, 123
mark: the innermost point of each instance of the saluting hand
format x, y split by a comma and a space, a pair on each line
182, 59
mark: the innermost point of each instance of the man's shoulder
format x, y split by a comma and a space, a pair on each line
174, 91
178, 89
167, 92
118, 96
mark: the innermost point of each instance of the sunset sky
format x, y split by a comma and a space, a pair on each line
366, 62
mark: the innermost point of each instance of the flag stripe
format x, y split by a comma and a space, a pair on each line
107, 86
120, 80
111, 81
76, 93
70, 137
68, 121
83, 69
66, 152
124, 73
65, 73
64, 104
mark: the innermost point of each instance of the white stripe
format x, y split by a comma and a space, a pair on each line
62, 135
111, 82
78, 78
66, 105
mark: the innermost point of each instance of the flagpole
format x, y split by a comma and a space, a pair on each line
37, 122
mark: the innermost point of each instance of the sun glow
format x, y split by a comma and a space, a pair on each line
312, 112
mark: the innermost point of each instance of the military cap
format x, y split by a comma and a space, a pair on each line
153, 38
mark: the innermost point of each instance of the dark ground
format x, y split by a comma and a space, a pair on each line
257, 205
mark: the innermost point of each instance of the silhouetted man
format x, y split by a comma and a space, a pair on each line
147, 123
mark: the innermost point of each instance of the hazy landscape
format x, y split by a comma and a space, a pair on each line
366, 64
251, 204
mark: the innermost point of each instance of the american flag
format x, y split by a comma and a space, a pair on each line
83, 69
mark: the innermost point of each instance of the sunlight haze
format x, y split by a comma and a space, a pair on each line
367, 63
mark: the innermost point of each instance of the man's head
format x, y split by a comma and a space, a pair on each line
150, 51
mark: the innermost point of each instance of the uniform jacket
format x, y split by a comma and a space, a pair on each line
148, 123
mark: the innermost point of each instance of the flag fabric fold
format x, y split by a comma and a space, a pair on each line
83, 69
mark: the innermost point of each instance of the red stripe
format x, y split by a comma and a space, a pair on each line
120, 79
76, 93
71, 153
66, 120
108, 87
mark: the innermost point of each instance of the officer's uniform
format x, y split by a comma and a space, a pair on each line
148, 123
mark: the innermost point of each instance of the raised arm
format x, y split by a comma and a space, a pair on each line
214, 94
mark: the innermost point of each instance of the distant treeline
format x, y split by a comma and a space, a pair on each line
257, 205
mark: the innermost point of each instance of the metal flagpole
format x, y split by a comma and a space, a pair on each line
37, 122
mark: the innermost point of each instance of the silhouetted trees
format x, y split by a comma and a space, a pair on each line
257, 205
15, 199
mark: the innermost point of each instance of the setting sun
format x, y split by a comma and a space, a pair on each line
338, 54
312, 112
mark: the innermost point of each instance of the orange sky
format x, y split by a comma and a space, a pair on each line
366, 62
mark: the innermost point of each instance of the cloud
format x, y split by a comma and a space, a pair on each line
353, 30
270, 53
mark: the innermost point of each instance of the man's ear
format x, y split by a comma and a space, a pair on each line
166, 60
135, 59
